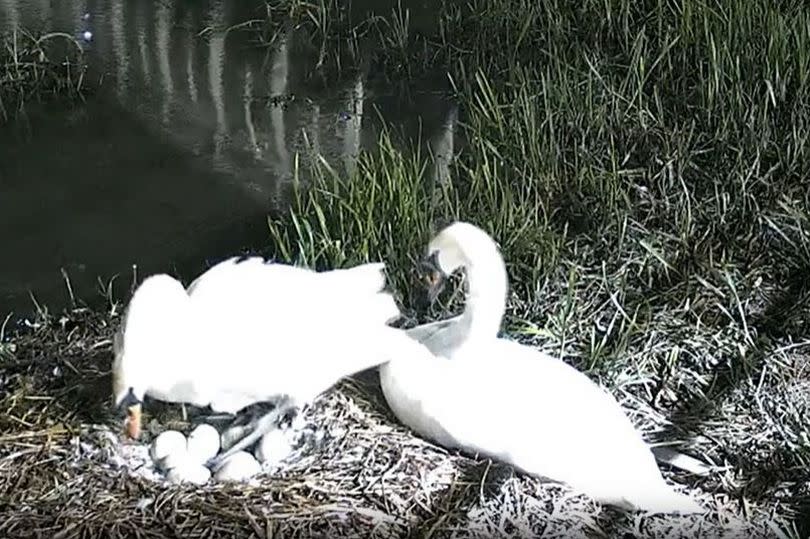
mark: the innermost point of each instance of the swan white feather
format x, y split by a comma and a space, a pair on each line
444, 336
248, 331
508, 401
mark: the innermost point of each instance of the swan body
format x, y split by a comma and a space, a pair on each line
508, 401
487, 286
248, 331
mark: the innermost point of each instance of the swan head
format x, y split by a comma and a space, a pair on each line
145, 344
459, 245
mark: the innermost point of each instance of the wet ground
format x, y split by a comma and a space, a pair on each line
187, 141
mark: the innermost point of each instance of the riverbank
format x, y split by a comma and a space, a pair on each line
643, 167
368, 475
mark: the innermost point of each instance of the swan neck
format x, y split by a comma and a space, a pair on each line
486, 299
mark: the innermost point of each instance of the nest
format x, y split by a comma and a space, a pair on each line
61, 472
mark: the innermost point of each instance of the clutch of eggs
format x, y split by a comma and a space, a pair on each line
183, 459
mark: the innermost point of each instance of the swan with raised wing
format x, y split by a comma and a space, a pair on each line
508, 401
249, 331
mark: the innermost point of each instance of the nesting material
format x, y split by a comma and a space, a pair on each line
241, 466
362, 474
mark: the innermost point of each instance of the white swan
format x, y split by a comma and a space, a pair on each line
487, 287
511, 402
248, 331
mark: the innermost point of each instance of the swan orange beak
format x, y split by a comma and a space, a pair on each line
132, 423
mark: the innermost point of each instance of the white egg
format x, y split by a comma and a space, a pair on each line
174, 460
196, 474
241, 466
175, 475
274, 446
297, 424
167, 442
232, 435
203, 443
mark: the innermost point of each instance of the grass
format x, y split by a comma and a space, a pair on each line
643, 166
29, 70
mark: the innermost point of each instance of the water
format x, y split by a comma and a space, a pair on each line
178, 155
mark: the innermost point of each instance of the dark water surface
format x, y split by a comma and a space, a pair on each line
178, 155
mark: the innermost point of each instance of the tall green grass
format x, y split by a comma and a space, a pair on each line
380, 212
643, 165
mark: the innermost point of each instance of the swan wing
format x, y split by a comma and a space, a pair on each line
271, 329
511, 402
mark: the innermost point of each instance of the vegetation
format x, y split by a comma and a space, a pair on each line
644, 167
28, 70
642, 152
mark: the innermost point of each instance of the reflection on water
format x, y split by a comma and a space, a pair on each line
184, 148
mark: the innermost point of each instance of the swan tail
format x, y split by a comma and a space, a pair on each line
665, 500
